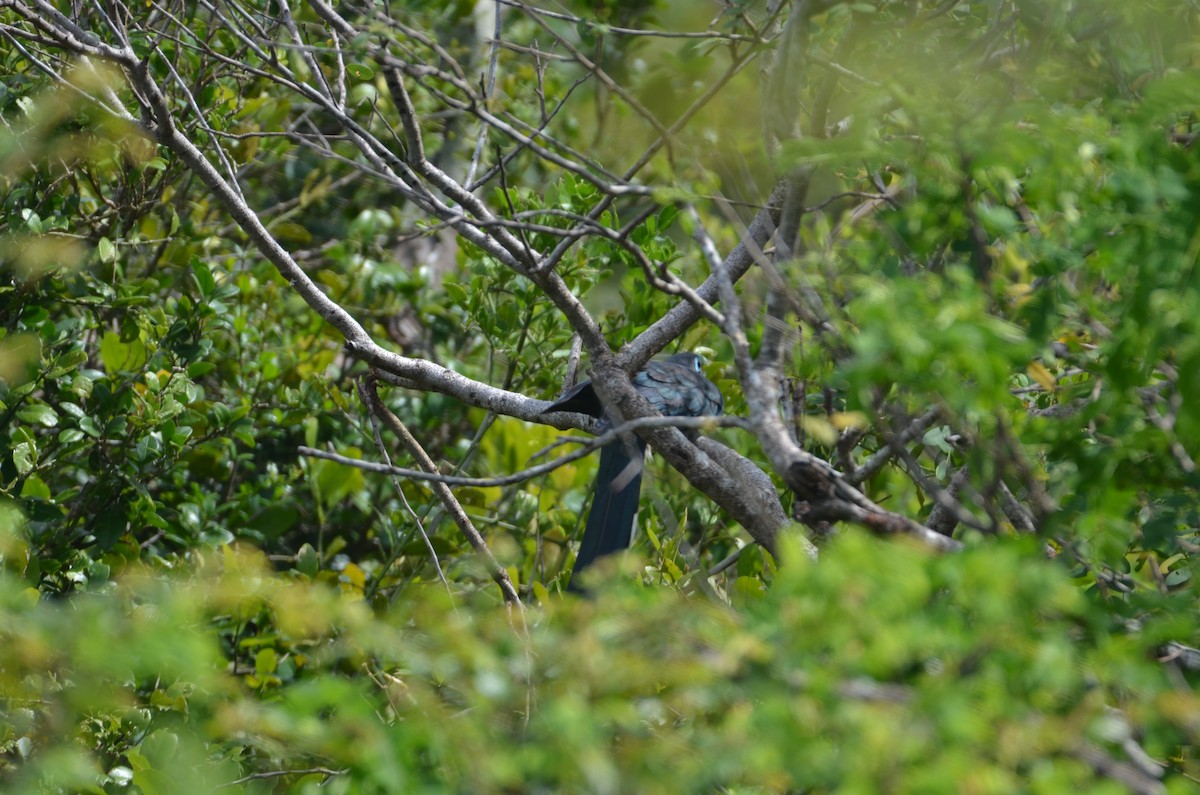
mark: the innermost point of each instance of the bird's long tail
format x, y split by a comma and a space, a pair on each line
610, 522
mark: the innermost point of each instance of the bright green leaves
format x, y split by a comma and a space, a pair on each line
987, 649
881, 666
332, 482
118, 356
934, 335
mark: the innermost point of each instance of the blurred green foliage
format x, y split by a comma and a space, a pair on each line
187, 605
879, 668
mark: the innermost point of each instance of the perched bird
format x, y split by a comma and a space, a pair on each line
676, 387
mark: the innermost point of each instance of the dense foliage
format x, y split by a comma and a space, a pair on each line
987, 319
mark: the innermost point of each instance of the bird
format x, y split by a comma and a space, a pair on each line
676, 387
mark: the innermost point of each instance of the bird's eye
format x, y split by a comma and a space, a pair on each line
696, 364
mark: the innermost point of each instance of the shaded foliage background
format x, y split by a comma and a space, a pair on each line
997, 303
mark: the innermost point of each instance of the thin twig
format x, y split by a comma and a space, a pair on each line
366, 398
443, 492
587, 447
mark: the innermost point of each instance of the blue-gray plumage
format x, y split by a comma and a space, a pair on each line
676, 387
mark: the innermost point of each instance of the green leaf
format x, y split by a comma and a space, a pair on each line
107, 250
39, 414
118, 356
307, 562
1178, 577
202, 274
32, 220
666, 217
67, 363
154, 782
198, 369
275, 520
110, 525
137, 761
35, 488
24, 456
456, 293
71, 409
265, 662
